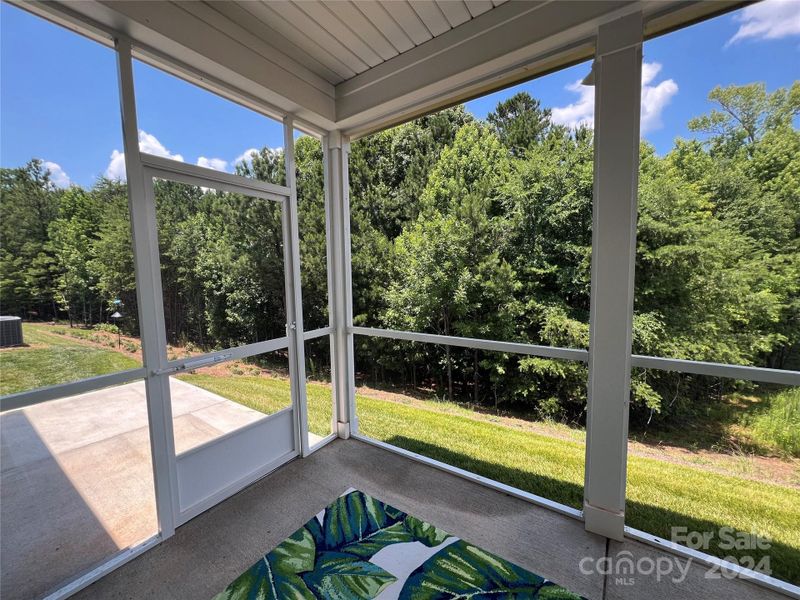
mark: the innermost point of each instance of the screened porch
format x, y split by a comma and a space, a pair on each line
154, 479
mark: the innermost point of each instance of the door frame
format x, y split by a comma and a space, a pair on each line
220, 457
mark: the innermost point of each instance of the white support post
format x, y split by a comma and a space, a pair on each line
617, 77
294, 294
144, 230
337, 187
326, 169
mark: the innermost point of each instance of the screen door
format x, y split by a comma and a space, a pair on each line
226, 340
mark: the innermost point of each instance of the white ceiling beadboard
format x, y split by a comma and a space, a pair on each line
338, 39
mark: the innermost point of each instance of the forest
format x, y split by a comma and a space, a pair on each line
460, 227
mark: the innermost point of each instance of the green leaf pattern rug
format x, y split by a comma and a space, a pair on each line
359, 547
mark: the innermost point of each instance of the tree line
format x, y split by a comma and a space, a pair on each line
461, 227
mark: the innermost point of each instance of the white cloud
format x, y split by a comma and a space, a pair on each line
245, 156
150, 144
580, 112
116, 168
217, 164
57, 175
767, 20
654, 99
147, 143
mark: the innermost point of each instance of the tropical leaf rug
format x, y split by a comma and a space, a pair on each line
359, 547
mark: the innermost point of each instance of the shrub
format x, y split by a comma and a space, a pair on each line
107, 327
778, 426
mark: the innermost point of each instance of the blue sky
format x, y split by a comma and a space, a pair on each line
59, 103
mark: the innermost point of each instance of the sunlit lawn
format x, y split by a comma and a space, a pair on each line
50, 359
660, 494
269, 395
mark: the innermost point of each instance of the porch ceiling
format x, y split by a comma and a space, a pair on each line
339, 39
360, 65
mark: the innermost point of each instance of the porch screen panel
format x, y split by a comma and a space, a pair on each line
184, 122
712, 457
77, 481
491, 431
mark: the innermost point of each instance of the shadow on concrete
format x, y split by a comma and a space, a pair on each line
49, 533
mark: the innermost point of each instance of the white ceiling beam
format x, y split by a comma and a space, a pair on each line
311, 29
377, 14
478, 7
431, 15
211, 14
245, 15
408, 19
331, 22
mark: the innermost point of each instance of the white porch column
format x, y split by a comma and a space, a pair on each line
337, 189
617, 76
144, 230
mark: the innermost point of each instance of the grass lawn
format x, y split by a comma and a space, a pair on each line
661, 494
66, 360
269, 395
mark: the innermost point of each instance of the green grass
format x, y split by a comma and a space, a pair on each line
54, 359
269, 395
778, 424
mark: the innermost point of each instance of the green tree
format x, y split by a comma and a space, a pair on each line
30, 203
520, 122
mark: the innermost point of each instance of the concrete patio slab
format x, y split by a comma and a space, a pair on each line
76, 482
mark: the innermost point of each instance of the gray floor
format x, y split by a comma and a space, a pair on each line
77, 484
214, 548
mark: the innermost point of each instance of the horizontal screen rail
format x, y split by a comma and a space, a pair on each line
203, 176
447, 340
194, 364
197, 362
317, 333
761, 374
54, 392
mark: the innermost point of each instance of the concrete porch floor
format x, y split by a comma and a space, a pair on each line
77, 483
213, 549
